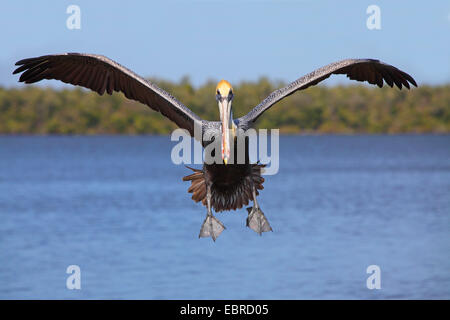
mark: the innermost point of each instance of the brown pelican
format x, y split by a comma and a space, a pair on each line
221, 185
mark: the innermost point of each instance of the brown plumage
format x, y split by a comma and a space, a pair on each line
226, 195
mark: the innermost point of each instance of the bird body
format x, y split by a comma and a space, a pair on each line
231, 184
226, 184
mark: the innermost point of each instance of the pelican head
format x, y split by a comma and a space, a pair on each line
224, 97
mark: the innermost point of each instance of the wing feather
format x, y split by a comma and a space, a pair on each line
370, 70
101, 75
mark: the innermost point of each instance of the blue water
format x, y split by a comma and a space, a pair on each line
116, 207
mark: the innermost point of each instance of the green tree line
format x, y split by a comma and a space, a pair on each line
319, 109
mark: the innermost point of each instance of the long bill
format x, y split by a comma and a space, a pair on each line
225, 115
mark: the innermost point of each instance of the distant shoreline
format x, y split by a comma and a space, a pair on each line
26, 135
321, 110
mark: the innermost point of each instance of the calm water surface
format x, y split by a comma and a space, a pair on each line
116, 206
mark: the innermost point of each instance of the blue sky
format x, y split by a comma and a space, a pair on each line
235, 40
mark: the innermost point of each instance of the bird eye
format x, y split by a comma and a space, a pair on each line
218, 92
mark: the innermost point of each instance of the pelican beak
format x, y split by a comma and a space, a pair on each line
225, 117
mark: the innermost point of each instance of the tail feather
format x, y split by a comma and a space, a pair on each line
230, 199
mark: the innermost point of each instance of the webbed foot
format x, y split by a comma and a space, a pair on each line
257, 221
211, 227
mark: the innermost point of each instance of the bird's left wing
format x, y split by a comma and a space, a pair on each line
370, 70
101, 74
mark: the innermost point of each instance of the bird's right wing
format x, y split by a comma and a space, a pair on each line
101, 74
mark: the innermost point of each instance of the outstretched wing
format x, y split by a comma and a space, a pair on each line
101, 74
370, 70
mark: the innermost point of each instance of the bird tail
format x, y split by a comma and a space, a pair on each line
198, 186
239, 197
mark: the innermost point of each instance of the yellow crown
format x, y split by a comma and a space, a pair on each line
224, 87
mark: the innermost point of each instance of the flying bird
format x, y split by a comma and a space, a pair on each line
222, 185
